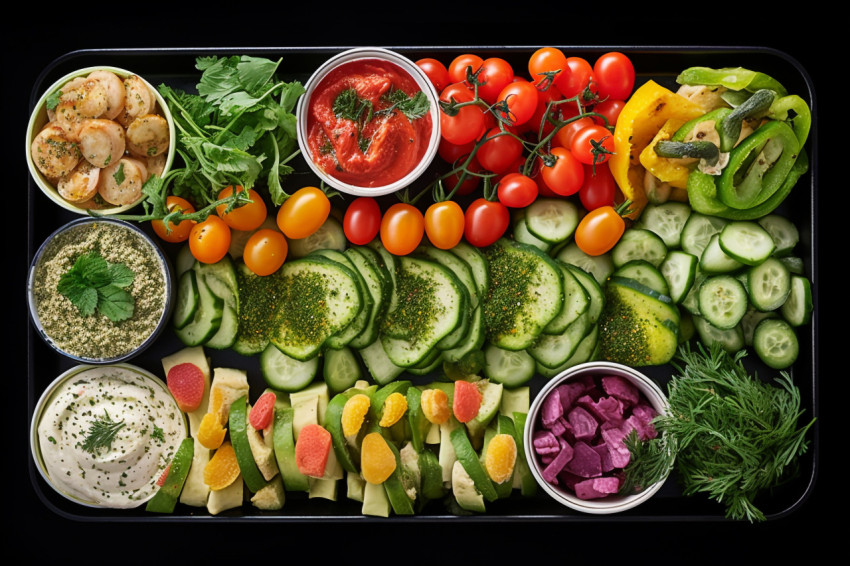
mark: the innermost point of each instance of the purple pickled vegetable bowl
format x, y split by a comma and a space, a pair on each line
575, 437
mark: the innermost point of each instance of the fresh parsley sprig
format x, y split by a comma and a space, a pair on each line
93, 284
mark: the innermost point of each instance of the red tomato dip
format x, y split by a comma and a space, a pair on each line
366, 125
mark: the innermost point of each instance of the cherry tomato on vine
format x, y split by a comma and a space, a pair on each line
499, 151
246, 216
599, 187
565, 135
584, 144
576, 80
566, 175
599, 230
470, 182
615, 75
436, 72
175, 232
402, 228
495, 74
362, 220
451, 152
457, 68
521, 98
303, 212
265, 251
485, 222
516, 190
544, 97
546, 62
209, 240
468, 123
609, 108
444, 224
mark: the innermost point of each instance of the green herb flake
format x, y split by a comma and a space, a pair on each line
119, 174
52, 100
158, 434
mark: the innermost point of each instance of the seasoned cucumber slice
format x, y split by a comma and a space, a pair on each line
722, 301
769, 284
775, 343
667, 220
552, 220
746, 242
639, 243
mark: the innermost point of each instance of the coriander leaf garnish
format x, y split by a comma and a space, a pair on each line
101, 434
95, 284
52, 100
119, 174
413, 107
349, 106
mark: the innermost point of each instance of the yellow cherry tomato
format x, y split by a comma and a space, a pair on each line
246, 216
209, 240
265, 251
303, 213
175, 232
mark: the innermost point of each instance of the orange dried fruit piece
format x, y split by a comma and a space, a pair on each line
222, 469
377, 460
467, 400
312, 450
435, 405
394, 408
211, 433
186, 383
354, 413
500, 458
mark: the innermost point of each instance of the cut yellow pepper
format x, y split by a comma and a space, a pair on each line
672, 171
644, 114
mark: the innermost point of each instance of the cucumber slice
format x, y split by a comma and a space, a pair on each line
715, 260
576, 302
775, 343
645, 273
207, 319
554, 350
184, 261
746, 242
380, 366
784, 233
552, 220
478, 264
769, 284
341, 369
698, 231
639, 243
187, 299
285, 373
679, 270
731, 340
594, 292
722, 301
523, 235
667, 221
511, 368
797, 308
600, 266
329, 236
751, 320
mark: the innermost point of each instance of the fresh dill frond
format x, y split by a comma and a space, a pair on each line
101, 434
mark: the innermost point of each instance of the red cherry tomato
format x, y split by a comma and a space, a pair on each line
615, 75
609, 108
485, 222
362, 220
521, 98
495, 74
265, 251
458, 67
564, 136
544, 97
444, 224
436, 72
547, 62
451, 153
246, 216
209, 240
599, 187
468, 123
599, 230
175, 232
574, 82
516, 190
402, 228
304, 212
566, 175
593, 144
470, 182
499, 151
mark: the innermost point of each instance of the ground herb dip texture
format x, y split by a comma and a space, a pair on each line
96, 336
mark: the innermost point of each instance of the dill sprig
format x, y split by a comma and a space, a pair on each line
101, 433
733, 435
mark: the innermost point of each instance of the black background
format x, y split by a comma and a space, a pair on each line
33, 41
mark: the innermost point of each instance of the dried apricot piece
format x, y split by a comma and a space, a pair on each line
435, 405
354, 413
312, 449
211, 434
467, 400
377, 460
262, 412
222, 469
500, 458
394, 408
186, 383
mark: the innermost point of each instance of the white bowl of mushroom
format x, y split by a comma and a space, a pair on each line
95, 136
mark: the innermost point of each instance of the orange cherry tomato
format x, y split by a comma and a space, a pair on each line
265, 251
599, 230
303, 213
402, 228
178, 232
209, 240
444, 223
246, 216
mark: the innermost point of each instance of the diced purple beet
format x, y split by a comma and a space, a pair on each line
620, 455
551, 410
621, 388
546, 458
559, 427
569, 480
582, 424
597, 488
585, 462
605, 409
572, 390
646, 431
545, 442
551, 471
605, 455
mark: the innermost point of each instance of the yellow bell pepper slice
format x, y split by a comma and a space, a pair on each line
644, 114
672, 171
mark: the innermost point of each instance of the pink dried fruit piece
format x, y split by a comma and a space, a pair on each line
620, 455
605, 456
553, 468
569, 392
621, 388
597, 488
605, 409
585, 462
551, 410
582, 424
186, 383
545, 442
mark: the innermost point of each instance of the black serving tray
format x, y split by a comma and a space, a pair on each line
175, 67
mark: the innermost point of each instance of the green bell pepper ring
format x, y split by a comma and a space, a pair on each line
758, 166
801, 122
736, 78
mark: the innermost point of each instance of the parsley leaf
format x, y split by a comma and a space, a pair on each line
53, 100
119, 174
92, 284
412, 107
